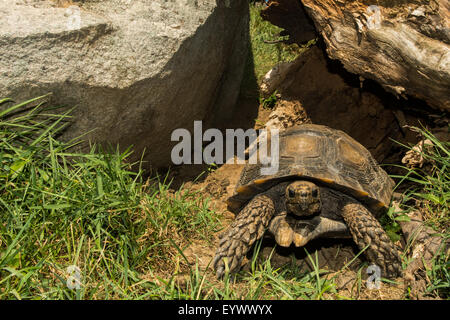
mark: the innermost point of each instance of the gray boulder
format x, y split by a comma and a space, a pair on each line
134, 70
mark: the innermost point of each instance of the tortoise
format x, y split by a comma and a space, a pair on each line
327, 185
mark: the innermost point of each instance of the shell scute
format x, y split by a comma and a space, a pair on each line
326, 156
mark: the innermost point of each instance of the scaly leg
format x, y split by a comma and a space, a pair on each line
366, 230
248, 227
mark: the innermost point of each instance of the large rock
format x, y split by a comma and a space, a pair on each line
403, 45
135, 69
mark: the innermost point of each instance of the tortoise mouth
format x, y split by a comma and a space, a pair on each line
303, 209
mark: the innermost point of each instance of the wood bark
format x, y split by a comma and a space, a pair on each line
404, 45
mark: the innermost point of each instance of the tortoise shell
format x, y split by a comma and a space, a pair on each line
325, 156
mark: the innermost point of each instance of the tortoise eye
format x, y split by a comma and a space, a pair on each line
291, 193
315, 193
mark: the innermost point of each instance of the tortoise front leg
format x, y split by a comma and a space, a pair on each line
281, 230
285, 232
366, 230
248, 227
287, 229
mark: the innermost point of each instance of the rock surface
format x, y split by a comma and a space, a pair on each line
403, 45
135, 70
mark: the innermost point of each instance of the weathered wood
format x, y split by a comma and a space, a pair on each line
403, 45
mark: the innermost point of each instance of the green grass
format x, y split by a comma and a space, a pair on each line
89, 210
439, 275
430, 186
428, 191
269, 102
264, 56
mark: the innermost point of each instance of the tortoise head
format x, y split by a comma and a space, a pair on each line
303, 198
